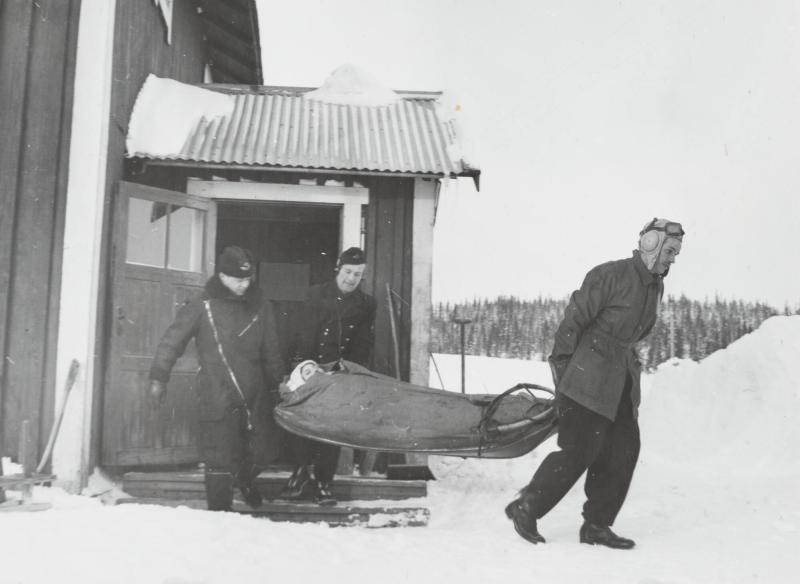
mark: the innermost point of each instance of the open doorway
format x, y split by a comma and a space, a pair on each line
295, 246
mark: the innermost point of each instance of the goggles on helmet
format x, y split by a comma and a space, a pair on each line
670, 228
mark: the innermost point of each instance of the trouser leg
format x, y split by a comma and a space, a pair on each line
609, 476
325, 461
581, 434
224, 451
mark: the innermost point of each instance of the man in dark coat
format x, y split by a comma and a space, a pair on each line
240, 368
597, 374
337, 324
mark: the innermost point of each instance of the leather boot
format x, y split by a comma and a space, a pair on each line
594, 534
520, 512
298, 485
219, 490
323, 494
246, 481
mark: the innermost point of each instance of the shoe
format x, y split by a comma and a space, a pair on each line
251, 495
298, 484
519, 512
598, 535
323, 494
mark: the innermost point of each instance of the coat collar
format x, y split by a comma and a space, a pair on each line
647, 277
216, 290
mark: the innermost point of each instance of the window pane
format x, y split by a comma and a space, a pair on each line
147, 233
186, 239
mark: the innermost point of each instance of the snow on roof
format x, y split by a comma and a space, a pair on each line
165, 113
377, 130
350, 85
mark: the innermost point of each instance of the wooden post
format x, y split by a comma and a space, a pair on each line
26, 459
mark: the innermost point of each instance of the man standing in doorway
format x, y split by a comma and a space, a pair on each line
597, 373
337, 323
240, 368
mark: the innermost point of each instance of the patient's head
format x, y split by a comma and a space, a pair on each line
301, 373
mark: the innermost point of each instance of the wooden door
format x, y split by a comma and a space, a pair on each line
163, 253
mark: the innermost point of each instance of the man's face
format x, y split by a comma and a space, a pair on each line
669, 252
349, 277
308, 370
236, 285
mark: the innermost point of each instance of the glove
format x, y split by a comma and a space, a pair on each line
158, 392
557, 369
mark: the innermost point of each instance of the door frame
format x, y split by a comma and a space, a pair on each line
349, 198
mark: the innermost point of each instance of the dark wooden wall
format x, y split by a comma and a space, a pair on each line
140, 48
37, 55
389, 255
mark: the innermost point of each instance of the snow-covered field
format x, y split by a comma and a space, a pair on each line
714, 500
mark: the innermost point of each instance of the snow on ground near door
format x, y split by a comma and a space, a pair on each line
714, 500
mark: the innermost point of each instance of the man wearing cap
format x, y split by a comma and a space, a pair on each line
338, 323
597, 372
233, 325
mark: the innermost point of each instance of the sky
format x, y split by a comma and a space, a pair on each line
715, 503
589, 118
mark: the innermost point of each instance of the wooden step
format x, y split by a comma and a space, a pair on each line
337, 516
189, 485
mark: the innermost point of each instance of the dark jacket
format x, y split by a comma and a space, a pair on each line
337, 326
615, 307
246, 328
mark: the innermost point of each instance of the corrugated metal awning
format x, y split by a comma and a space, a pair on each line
280, 127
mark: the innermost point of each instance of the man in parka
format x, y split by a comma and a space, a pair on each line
338, 323
233, 325
597, 373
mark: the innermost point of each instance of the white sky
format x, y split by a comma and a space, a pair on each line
591, 117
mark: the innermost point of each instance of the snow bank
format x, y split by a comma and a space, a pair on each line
712, 502
736, 411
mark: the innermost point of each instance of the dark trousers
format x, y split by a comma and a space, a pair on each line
607, 451
225, 448
324, 457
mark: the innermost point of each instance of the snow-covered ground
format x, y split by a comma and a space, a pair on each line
714, 500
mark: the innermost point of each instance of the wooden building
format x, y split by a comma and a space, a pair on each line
99, 244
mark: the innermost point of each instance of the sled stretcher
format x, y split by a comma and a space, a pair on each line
361, 409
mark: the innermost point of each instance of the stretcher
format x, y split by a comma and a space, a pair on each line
356, 407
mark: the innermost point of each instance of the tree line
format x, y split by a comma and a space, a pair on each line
524, 329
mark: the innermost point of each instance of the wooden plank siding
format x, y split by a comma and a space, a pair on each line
38, 41
140, 48
389, 255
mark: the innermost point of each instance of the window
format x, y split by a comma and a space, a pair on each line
165, 235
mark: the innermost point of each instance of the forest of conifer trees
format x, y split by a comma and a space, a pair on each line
523, 329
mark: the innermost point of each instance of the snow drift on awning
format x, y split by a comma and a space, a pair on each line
165, 113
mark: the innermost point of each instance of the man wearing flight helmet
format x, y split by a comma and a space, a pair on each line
596, 372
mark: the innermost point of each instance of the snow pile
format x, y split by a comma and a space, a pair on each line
713, 501
737, 410
349, 85
165, 113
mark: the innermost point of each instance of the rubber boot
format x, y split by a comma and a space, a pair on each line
219, 490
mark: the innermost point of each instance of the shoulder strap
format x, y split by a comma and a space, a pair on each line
207, 304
